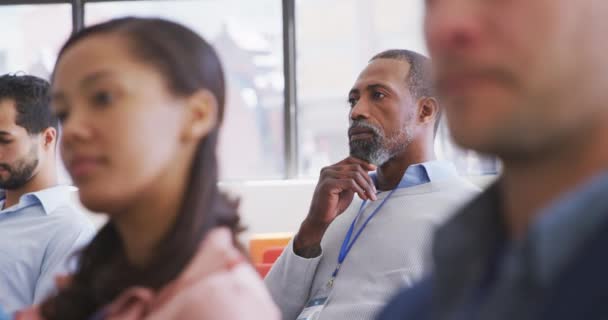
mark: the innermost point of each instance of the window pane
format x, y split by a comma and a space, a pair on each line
31, 37
334, 44
248, 37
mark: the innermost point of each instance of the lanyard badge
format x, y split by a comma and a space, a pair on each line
321, 298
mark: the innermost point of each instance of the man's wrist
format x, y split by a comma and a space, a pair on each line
307, 242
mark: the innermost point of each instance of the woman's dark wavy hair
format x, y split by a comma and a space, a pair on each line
188, 64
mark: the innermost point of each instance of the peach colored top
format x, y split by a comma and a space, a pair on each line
217, 284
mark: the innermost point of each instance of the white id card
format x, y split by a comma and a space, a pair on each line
313, 309
314, 306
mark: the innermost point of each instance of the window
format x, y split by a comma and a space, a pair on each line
32, 36
333, 46
248, 38
333, 42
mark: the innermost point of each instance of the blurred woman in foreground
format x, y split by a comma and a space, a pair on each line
140, 102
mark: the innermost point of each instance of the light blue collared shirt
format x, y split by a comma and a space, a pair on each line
425, 172
37, 236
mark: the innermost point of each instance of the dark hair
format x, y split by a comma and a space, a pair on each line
32, 101
419, 78
188, 64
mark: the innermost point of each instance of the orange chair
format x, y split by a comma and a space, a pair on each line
272, 254
265, 248
259, 243
268, 259
263, 269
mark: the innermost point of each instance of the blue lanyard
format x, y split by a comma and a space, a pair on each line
347, 244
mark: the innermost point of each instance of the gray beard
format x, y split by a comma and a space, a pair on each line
371, 151
378, 150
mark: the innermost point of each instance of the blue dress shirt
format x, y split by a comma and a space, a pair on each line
37, 237
425, 172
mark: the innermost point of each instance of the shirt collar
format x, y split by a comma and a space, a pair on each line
425, 172
439, 170
50, 198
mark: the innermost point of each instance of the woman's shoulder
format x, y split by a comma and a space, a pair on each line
217, 284
235, 293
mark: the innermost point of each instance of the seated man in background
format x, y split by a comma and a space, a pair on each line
39, 229
349, 255
526, 81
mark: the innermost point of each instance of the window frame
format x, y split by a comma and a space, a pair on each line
290, 101
289, 68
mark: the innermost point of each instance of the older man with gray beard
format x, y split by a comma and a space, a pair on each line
351, 254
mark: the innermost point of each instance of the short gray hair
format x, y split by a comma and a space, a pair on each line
419, 78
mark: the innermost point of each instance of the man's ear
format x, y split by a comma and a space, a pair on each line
428, 110
49, 138
201, 115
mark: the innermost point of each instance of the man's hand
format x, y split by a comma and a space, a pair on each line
335, 191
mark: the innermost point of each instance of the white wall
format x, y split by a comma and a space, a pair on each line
272, 206
280, 206
276, 206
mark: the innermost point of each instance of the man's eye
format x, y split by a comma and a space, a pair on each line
378, 95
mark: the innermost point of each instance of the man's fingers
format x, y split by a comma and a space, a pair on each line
341, 184
365, 184
365, 187
364, 164
367, 177
351, 184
